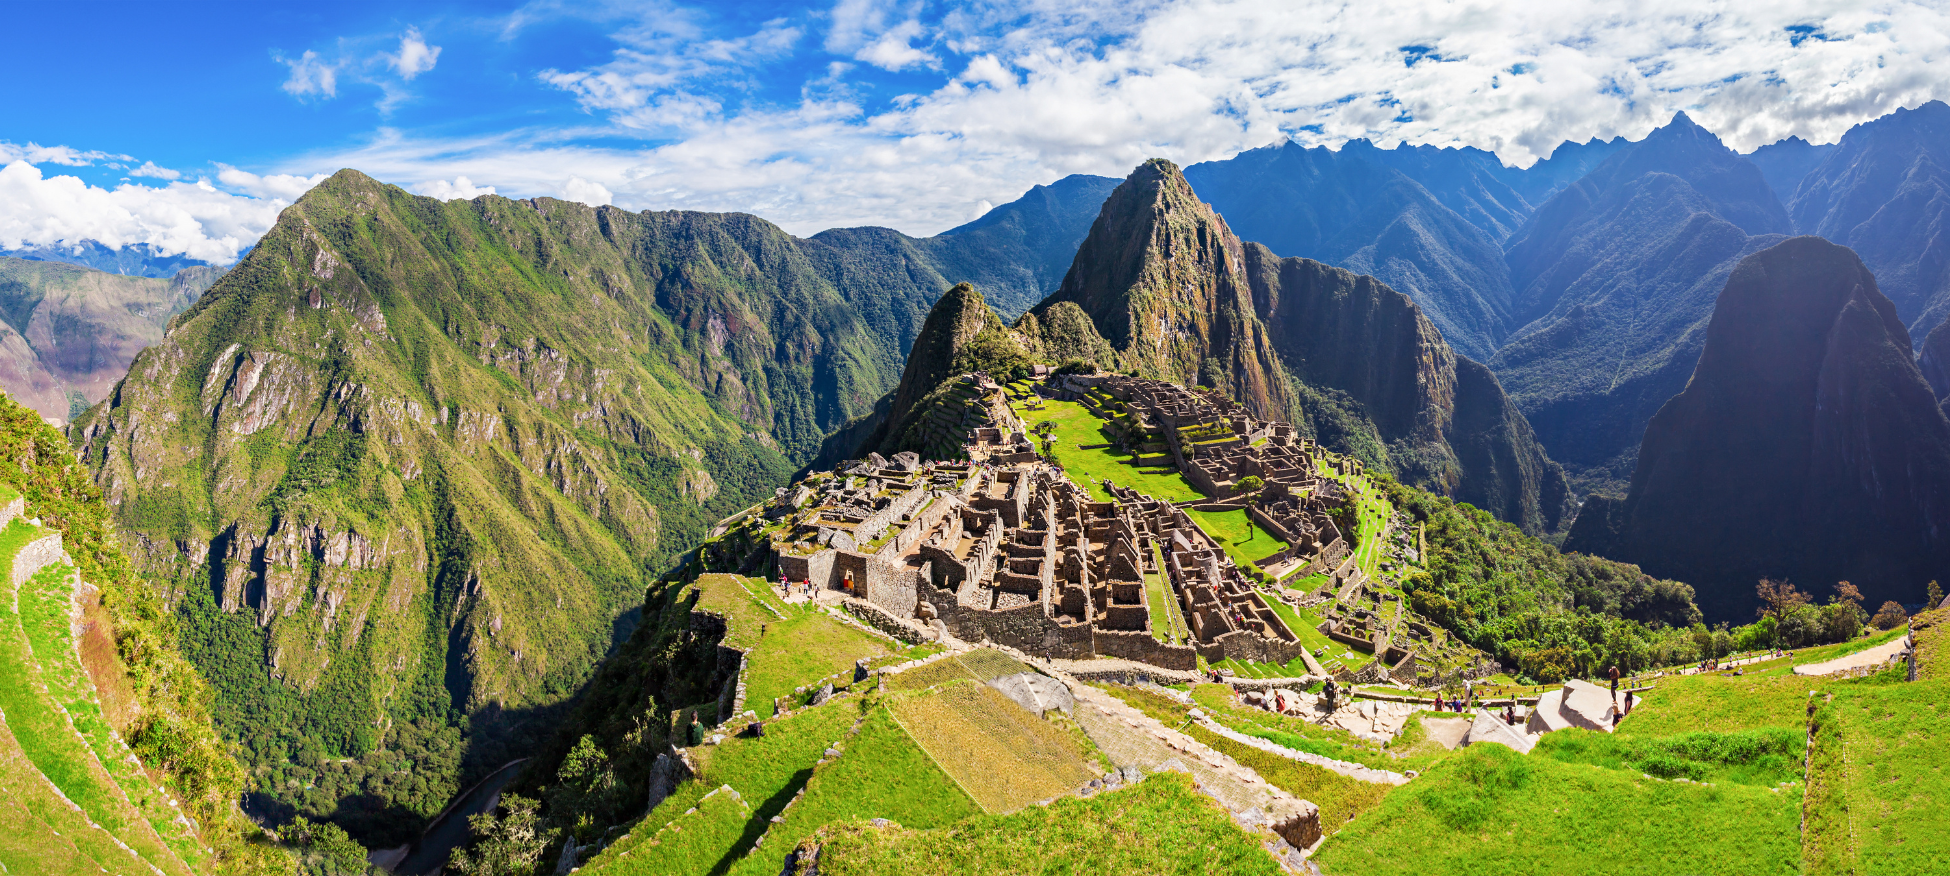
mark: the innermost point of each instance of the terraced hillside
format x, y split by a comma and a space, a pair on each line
108, 762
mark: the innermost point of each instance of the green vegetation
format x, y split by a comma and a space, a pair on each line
1489, 810
1700, 703
1764, 757
786, 645
701, 840
1237, 535
999, 753
1876, 795
1162, 825
1077, 427
882, 773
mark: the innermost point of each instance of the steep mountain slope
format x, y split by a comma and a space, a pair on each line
1564, 166
1786, 163
134, 260
405, 465
1806, 446
1170, 292
1616, 277
1884, 191
1350, 208
1934, 358
69, 332
1473, 182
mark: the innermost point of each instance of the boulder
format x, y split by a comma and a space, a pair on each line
1489, 727
1296, 821
1035, 692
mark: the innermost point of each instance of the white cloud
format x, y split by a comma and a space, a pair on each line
194, 219
461, 189
278, 186
310, 76
1097, 86
584, 191
149, 169
415, 56
894, 49
35, 153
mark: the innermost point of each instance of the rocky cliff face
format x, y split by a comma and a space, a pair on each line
70, 332
1171, 293
1616, 277
1806, 446
410, 460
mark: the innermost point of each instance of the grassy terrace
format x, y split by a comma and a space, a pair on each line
1236, 533
882, 773
1077, 426
787, 645
1877, 798
1489, 810
1163, 825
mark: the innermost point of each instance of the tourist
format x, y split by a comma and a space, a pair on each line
1614, 682
1628, 702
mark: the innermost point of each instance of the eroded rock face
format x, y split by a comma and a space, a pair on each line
1807, 446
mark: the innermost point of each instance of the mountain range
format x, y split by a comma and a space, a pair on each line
69, 332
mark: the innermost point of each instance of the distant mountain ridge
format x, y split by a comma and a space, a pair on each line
68, 333
133, 260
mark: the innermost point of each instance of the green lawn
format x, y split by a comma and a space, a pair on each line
1878, 800
1163, 825
1076, 425
765, 771
1167, 622
787, 645
1235, 532
701, 840
882, 773
1690, 703
1491, 811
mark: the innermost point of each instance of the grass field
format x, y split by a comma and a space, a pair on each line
787, 645
765, 771
1077, 426
1492, 811
882, 773
1691, 703
1235, 532
1160, 826
981, 664
1763, 758
701, 840
1001, 754
1878, 801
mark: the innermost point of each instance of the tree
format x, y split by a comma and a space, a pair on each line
585, 795
1890, 616
1778, 598
1935, 597
324, 849
505, 846
1251, 485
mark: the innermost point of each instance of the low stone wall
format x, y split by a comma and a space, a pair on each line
37, 555
878, 618
1142, 647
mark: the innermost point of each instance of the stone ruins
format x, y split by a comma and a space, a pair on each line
1002, 547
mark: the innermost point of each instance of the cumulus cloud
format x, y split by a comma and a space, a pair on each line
310, 76
278, 186
194, 219
149, 169
1028, 93
414, 56
461, 189
584, 191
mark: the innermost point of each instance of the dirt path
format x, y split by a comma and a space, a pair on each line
1878, 654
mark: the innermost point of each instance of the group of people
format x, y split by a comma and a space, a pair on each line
786, 584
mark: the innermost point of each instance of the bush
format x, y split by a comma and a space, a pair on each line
1890, 616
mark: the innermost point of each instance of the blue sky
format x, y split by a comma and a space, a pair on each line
188, 126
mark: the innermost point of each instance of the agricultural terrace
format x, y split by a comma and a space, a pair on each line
1162, 825
1001, 754
787, 645
1490, 810
881, 773
1877, 796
